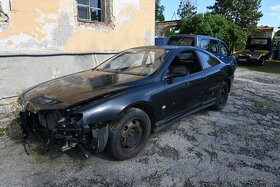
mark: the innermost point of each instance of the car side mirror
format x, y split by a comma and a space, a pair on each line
168, 76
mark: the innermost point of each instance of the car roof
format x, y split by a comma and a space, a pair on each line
167, 47
175, 48
195, 36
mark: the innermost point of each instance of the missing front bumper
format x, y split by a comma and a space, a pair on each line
82, 136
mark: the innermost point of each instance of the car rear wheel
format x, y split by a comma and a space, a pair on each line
129, 134
222, 96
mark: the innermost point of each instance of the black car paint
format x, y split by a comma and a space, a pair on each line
158, 95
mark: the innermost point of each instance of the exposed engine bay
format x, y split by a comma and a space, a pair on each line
52, 125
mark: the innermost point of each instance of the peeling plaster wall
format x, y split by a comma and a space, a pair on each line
5, 4
4, 17
51, 25
21, 72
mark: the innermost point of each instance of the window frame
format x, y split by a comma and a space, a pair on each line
102, 10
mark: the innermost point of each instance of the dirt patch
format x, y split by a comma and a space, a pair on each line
238, 146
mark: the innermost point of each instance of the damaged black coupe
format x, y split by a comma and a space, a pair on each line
122, 101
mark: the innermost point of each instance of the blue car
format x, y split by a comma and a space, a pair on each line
214, 45
159, 41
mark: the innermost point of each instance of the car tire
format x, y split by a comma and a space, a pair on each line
222, 97
261, 61
129, 134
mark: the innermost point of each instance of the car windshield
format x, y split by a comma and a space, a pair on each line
182, 41
140, 61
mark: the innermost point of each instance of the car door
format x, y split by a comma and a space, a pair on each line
225, 54
185, 92
212, 74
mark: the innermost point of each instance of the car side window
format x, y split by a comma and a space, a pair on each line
186, 60
206, 60
204, 44
224, 50
213, 46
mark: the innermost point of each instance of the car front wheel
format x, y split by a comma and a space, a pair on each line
129, 134
261, 61
222, 96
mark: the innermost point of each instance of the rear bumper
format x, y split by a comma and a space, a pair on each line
247, 60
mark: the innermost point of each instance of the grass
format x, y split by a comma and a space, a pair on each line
15, 105
270, 66
9, 128
257, 103
3, 131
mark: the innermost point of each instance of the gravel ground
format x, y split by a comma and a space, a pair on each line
238, 146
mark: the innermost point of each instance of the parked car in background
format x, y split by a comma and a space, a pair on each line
122, 101
278, 51
257, 50
214, 45
159, 41
275, 51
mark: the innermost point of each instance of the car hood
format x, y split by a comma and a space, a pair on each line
77, 88
251, 54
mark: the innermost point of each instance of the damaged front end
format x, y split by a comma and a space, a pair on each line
50, 125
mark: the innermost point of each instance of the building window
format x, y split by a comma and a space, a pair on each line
90, 10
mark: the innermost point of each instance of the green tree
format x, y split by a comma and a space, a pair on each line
244, 13
278, 32
159, 11
214, 25
275, 38
170, 33
186, 9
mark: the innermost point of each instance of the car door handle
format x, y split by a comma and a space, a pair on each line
204, 78
187, 83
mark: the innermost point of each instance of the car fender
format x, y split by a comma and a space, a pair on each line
110, 108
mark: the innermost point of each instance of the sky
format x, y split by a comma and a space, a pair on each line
269, 8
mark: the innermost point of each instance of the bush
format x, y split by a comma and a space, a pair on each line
214, 25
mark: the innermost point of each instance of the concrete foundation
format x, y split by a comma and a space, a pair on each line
19, 72
22, 71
